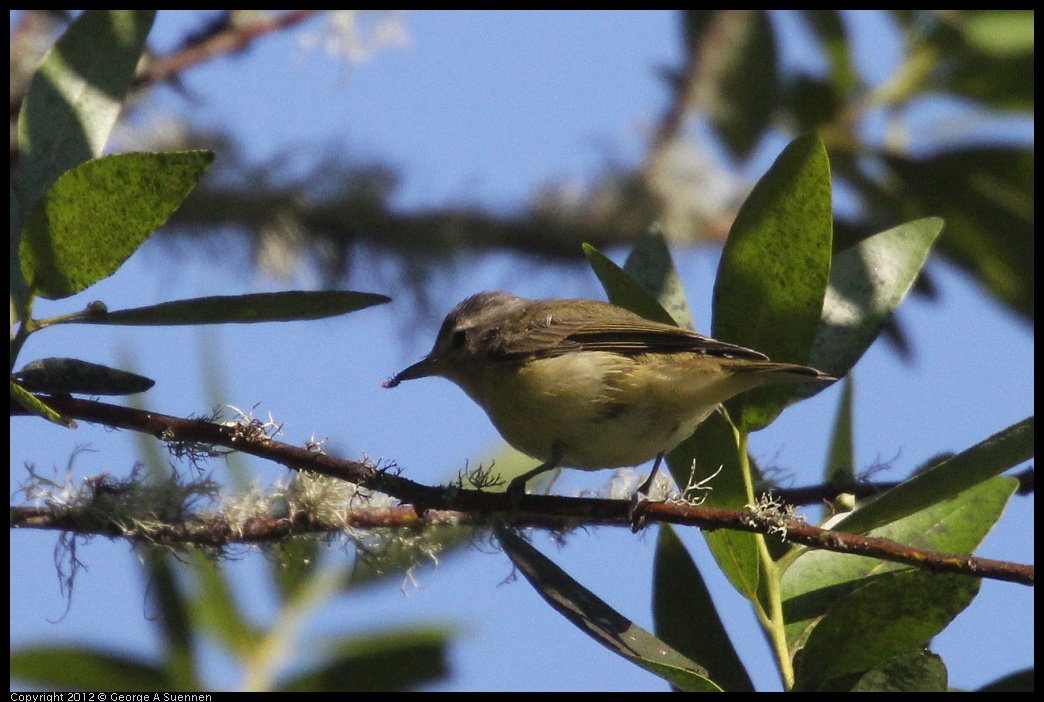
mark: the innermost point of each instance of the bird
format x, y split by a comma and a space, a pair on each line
586, 384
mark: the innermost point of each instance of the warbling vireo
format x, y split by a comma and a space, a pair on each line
589, 385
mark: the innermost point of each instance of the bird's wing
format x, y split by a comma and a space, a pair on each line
597, 326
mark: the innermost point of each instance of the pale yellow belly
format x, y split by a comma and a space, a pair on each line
603, 410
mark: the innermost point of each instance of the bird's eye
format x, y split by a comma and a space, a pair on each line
460, 337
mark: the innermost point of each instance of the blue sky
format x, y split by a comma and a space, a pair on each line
484, 108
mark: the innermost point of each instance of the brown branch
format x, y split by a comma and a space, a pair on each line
225, 38
429, 504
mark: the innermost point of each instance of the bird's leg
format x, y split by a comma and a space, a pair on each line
643, 491
517, 487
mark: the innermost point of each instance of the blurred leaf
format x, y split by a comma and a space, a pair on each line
867, 283
816, 580
985, 55
686, 617
37, 406
829, 28
883, 618
177, 632
774, 269
650, 264
840, 470
986, 196
76, 96
1020, 681
623, 290
75, 668
1002, 451
216, 611
599, 621
712, 449
733, 62
914, 671
293, 562
288, 306
387, 661
19, 293
98, 214
57, 376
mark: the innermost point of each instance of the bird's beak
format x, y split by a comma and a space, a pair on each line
421, 369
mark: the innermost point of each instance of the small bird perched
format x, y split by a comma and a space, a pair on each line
586, 384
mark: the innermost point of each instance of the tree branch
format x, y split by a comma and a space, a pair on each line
440, 505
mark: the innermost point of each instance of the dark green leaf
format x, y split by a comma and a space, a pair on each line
883, 618
915, 671
686, 618
73, 668
76, 96
986, 196
98, 214
774, 271
389, 661
242, 309
58, 376
985, 55
817, 580
1021, 681
1002, 451
599, 621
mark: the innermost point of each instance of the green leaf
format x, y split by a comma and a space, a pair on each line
99, 213
732, 59
686, 618
840, 470
650, 264
37, 406
914, 671
386, 661
774, 269
599, 621
75, 668
76, 96
867, 283
288, 306
58, 376
881, 619
712, 449
816, 580
993, 456
623, 290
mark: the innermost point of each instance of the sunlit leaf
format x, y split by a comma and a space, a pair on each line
98, 214
774, 270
